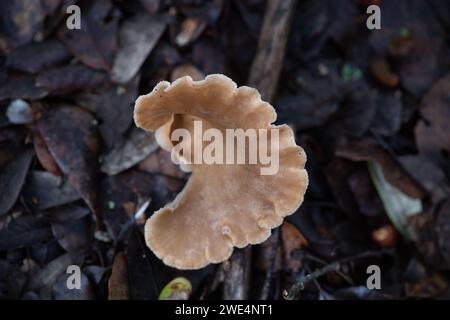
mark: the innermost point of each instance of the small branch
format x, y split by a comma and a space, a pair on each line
291, 293
273, 253
268, 62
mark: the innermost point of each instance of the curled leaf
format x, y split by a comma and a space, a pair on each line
178, 289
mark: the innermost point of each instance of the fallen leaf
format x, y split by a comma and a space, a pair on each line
382, 72
71, 136
21, 87
364, 193
317, 98
428, 174
293, 240
113, 107
95, 273
137, 38
191, 29
43, 154
20, 22
95, 43
12, 178
50, 273
118, 281
45, 190
398, 205
160, 162
24, 231
67, 213
355, 114
37, 56
69, 79
388, 115
142, 276
62, 292
419, 68
74, 235
367, 150
138, 144
178, 289
432, 136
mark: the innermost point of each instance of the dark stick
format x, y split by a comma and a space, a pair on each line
273, 253
290, 293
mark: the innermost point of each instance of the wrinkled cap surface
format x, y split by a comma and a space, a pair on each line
222, 205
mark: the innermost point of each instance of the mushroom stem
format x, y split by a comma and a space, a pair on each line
264, 75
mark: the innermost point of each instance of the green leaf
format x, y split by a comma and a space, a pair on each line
399, 207
178, 289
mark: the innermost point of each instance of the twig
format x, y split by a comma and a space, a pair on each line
267, 64
264, 75
273, 252
290, 293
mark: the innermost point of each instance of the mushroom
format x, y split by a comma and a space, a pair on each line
222, 205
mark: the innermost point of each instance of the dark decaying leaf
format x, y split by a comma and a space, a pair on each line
433, 135
337, 174
366, 150
354, 115
12, 177
364, 192
67, 213
113, 108
62, 292
137, 38
71, 136
69, 79
118, 281
144, 272
95, 273
24, 231
20, 20
75, 234
137, 145
21, 87
209, 56
35, 57
416, 19
45, 278
388, 116
430, 176
43, 154
122, 194
160, 162
318, 22
317, 99
114, 194
95, 43
382, 71
44, 190
292, 241
45, 252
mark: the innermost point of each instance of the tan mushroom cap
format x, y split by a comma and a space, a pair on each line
222, 206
